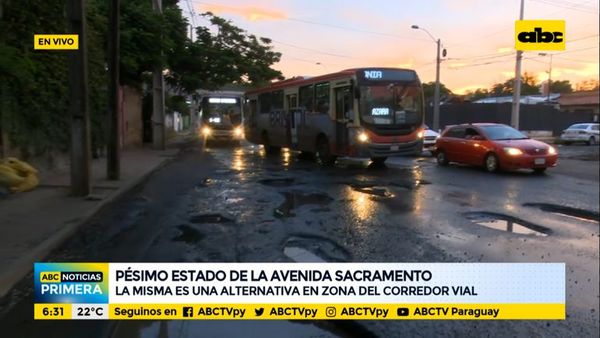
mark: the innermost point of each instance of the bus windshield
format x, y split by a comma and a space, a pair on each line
222, 111
392, 104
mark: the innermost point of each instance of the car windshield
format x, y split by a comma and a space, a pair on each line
499, 132
578, 126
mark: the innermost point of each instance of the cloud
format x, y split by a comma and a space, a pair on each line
250, 13
505, 49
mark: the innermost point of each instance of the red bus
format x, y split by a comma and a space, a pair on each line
366, 113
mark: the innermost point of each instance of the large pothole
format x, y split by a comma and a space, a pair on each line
507, 223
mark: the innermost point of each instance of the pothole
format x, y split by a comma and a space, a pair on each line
507, 223
187, 234
374, 190
301, 255
210, 218
314, 248
295, 199
581, 214
204, 183
277, 182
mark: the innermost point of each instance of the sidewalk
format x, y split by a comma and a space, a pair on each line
33, 223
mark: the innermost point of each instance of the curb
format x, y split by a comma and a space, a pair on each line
21, 267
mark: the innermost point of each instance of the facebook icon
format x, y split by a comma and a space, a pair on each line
188, 311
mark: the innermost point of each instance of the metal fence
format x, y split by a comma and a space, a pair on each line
532, 117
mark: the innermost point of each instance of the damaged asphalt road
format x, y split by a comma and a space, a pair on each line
239, 205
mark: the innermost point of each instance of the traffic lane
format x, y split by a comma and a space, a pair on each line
411, 211
565, 208
578, 152
250, 207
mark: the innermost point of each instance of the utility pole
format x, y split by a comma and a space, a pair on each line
549, 78
436, 95
158, 98
78, 105
514, 116
113, 160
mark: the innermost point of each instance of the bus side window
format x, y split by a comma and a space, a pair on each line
322, 95
264, 103
305, 98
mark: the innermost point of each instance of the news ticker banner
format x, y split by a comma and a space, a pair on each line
296, 291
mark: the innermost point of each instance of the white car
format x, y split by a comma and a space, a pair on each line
581, 132
429, 138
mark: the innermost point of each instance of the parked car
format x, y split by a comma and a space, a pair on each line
493, 146
581, 132
429, 138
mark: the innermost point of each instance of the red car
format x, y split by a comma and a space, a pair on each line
494, 146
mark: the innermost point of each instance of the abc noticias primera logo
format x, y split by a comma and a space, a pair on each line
67, 282
540, 35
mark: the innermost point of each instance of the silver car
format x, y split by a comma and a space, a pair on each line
581, 132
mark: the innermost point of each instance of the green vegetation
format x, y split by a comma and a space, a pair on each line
34, 84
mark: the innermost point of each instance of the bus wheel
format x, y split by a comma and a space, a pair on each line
323, 153
269, 149
378, 160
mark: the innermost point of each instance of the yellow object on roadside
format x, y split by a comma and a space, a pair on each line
17, 175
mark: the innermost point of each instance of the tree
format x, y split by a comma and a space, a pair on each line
528, 86
429, 91
561, 86
479, 93
230, 56
591, 84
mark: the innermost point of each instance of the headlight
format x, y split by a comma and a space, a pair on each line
363, 137
206, 131
238, 131
513, 151
420, 134
551, 150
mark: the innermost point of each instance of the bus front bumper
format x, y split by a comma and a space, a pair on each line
389, 149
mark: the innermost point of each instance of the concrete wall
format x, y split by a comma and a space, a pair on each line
131, 107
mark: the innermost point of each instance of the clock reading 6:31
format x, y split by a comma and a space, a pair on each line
53, 311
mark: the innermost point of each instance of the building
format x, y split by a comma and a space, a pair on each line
583, 101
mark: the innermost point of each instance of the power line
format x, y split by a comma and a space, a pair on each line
364, 31
574, 7
313, 50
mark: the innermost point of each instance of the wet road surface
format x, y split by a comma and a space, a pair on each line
238, 205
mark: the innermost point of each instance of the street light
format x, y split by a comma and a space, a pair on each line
549, 73
436, 96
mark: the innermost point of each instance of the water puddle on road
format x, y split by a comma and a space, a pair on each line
580, 214
301, 255
295, 199
210, 218
314, 249
374, 190
507, 223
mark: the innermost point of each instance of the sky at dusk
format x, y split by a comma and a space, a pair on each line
318, 36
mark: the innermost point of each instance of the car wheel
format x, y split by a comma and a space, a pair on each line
323, 153
539, 171
491, 163
442, 158
592, 141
